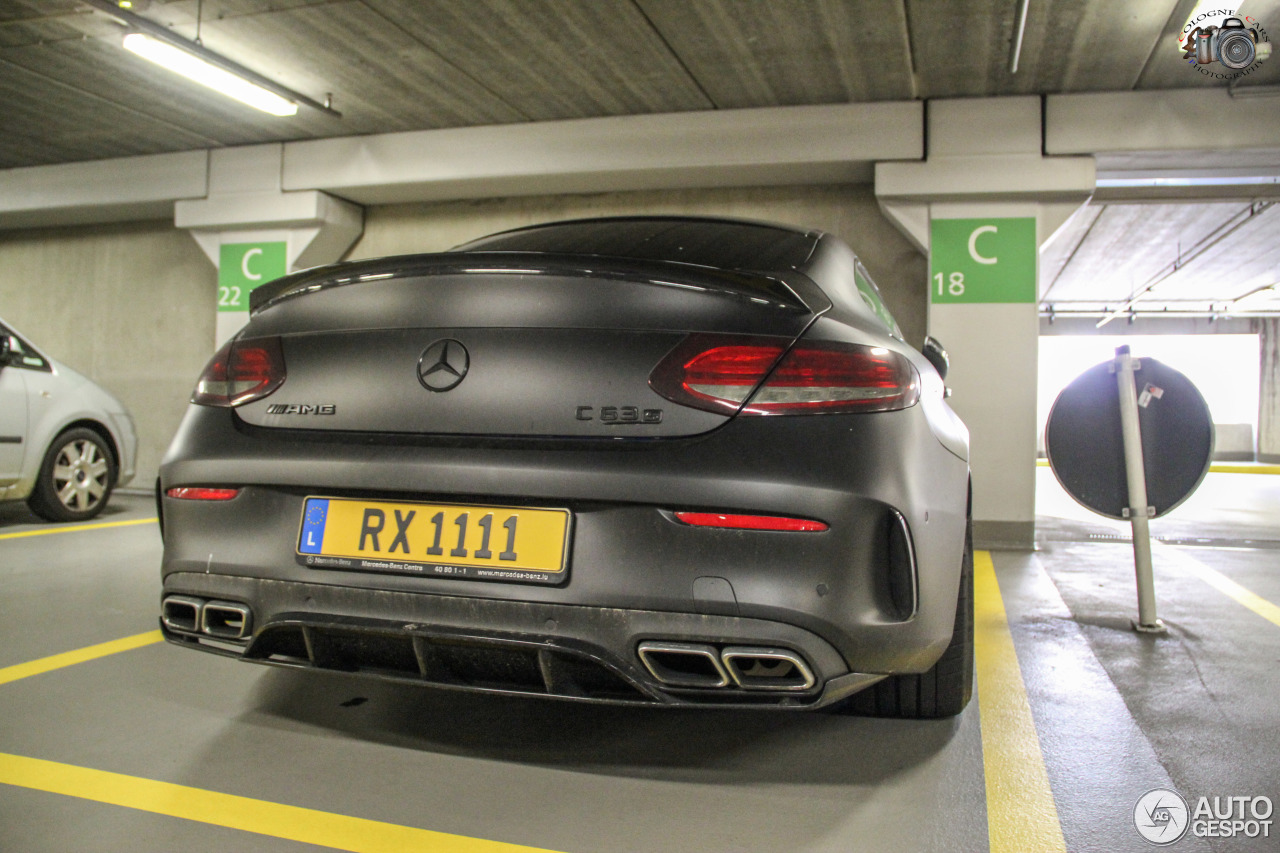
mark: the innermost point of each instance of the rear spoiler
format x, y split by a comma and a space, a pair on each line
759, 287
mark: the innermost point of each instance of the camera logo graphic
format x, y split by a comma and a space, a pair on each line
1161, 816
1233, 44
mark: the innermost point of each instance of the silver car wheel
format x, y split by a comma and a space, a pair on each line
81, 475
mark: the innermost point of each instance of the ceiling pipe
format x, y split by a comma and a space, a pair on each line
1236, 91
1017, 38
1224, 314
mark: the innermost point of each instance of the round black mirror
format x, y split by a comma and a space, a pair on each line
1084, 443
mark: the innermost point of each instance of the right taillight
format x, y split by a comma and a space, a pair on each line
241, 372
751, 376
835, 377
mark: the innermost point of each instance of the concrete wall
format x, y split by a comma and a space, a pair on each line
130, 306
849, 211
1269, 396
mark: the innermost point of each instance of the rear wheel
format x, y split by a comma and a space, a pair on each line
943, 690
75, 479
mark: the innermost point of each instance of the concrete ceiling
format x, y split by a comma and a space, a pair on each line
69, 92
1216, 258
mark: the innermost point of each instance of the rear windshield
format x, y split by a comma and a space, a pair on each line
871, 296
721, 245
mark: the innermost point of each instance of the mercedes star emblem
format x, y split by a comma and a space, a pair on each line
443, 365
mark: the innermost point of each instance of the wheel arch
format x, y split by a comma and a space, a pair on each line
95, 426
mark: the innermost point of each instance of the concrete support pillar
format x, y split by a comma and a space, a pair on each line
982, 205
1269, 392
253, 231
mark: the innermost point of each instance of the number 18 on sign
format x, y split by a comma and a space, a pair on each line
983, 260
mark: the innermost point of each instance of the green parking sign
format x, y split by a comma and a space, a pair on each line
245, 266
982, 260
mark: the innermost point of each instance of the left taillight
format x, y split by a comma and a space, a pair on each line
241, 372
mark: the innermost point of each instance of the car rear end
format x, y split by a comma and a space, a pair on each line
548, 474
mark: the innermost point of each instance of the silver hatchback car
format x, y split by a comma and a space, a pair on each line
65, 443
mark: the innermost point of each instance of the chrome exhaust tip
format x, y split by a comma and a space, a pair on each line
181, 614
754, 668
684, 664
226, 620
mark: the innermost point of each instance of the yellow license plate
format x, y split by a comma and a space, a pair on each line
476, 542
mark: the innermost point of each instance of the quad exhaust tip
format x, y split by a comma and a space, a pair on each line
767, 669
222, 620
226, 620
182, 614
707, 667
684, 664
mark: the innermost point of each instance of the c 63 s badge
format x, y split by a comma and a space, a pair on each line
619, 415
302, 409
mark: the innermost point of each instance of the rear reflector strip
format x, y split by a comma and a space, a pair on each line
202, 494
751, 522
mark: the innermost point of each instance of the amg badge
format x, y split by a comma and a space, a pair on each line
302, 409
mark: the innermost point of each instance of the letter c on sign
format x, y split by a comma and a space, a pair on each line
973, 244
244, 262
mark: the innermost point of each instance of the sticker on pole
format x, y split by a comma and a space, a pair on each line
1085, 444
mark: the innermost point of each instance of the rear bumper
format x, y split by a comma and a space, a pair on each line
564, 651
635, 574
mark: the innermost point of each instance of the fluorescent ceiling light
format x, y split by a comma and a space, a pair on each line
206, 74
1201, 181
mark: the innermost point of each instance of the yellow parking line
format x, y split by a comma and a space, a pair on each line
35, 667
45, 531
1217, 467
1226, 468
1223, 584
1021, 815
308, 826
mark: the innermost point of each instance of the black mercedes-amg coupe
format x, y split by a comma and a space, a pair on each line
661, 460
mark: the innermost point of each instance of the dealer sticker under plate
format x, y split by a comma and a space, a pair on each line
446, 540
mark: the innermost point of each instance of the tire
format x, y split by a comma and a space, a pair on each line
943, 690
75, 479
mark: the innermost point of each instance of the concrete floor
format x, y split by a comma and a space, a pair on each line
137, 750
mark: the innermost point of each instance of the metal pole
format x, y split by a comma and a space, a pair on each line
1139, 512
